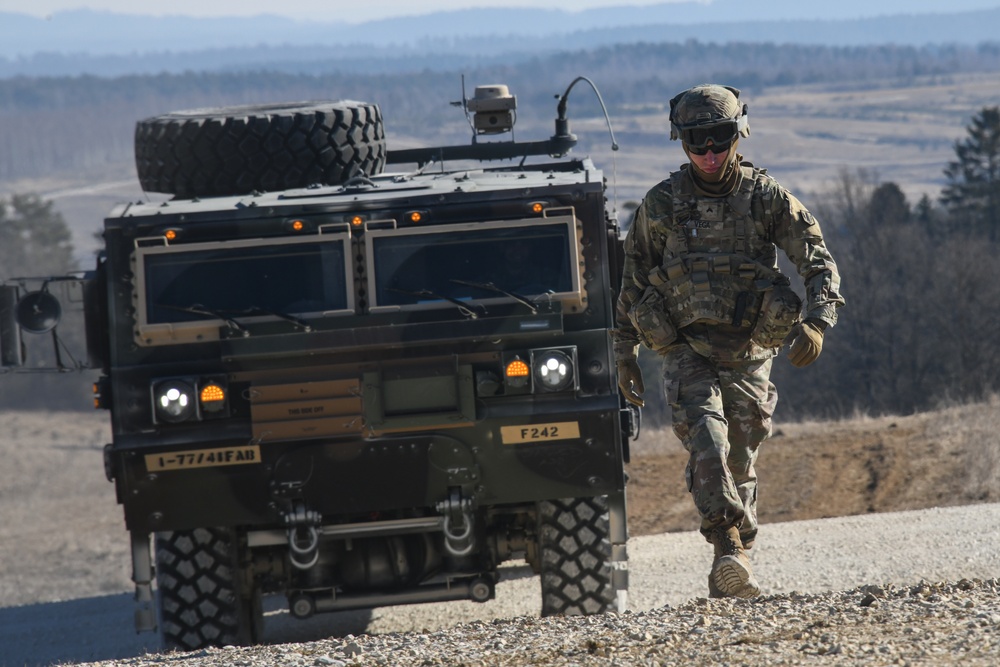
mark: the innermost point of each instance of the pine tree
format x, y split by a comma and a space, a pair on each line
34, 238
888, 205
973, 194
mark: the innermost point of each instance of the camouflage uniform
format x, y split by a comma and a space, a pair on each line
707, 265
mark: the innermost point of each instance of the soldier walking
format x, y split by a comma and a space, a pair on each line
701, 287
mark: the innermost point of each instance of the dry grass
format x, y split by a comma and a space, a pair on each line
975, 431
811, 470
971, 430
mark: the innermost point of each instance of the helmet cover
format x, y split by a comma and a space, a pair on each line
706, 106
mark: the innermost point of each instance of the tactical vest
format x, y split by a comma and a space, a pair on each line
718, 267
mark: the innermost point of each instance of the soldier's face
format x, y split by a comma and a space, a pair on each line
710, 162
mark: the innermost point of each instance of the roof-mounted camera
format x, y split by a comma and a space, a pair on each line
493, 108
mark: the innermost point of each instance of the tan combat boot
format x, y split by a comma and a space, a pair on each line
731, 574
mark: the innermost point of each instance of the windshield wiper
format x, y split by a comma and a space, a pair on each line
493, 288
199, 309
257, 310
462, 306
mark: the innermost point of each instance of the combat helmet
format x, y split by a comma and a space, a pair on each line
708, 112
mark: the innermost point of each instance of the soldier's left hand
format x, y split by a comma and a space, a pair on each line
807, 342
630, 381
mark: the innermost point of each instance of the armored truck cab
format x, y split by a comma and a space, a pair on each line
364, 393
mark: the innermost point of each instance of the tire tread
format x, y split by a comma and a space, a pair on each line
239, 150
575, 545
200, 605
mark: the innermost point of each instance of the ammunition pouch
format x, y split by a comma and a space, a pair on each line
652, 321
720, 289
779, 313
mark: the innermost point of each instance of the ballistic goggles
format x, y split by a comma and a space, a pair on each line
717, 137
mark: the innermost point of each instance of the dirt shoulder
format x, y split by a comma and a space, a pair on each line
819, 470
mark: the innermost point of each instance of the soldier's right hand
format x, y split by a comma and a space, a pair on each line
630, 381
806, 342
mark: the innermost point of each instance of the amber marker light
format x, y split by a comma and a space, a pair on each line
170, 234
212, 398
517, 375
298, 225
212, 393
357, 221
517, 369
415, 216
537, 207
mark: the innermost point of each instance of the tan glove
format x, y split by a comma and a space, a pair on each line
630, 381
806, 343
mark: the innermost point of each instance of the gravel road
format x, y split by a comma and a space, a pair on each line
853, 590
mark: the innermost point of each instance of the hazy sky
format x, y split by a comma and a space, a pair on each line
358, 10
347, 10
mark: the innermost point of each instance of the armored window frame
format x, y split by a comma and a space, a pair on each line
564, 224
154, 333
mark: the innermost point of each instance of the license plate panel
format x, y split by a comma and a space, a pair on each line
203, 458
521, 433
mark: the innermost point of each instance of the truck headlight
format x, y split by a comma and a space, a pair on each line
182, 399
553, 370
174, 401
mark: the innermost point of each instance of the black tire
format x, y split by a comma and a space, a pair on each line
238, 150
575, 548
201, 599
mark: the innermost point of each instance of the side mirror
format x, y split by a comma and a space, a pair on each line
38, 312
32, 310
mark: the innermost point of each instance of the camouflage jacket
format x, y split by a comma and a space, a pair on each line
775, 219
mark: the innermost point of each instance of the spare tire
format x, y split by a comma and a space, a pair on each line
270, 147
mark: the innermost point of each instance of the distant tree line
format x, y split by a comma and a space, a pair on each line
57, 125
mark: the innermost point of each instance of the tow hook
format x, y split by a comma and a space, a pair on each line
303, 538
457, 511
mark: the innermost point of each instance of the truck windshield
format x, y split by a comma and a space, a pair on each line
304, 277
470, 263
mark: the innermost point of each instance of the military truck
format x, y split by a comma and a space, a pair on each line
350, 385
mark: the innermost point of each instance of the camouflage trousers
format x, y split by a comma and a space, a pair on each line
721, 413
